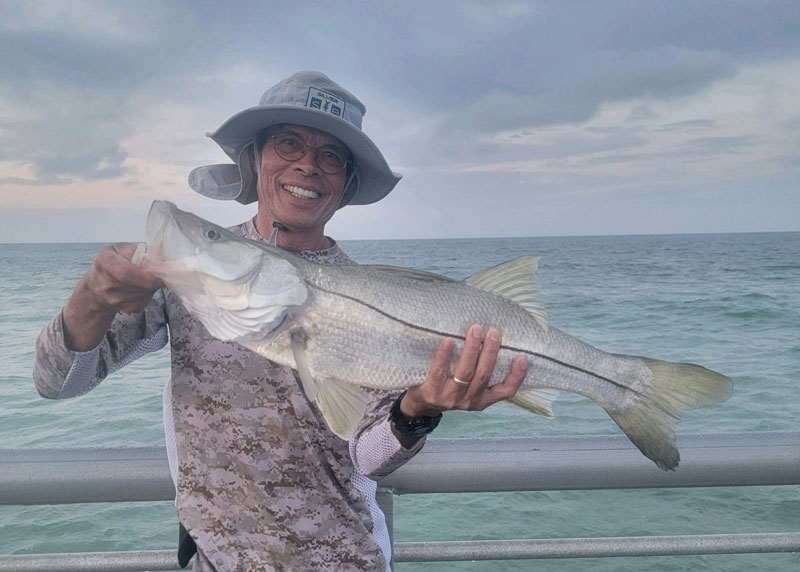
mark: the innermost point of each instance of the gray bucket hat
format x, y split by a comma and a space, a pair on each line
307, 98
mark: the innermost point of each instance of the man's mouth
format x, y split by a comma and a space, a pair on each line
300, 192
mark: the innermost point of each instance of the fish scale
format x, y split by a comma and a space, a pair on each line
450, 307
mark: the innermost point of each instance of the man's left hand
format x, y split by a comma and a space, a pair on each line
467, 388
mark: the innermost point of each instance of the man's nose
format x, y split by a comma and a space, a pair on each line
308, 162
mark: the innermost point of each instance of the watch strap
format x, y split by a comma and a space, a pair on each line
412, 426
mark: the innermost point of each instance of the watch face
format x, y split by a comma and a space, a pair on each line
421, 426
412, 426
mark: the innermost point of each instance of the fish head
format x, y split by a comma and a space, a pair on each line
179, 238
239, 289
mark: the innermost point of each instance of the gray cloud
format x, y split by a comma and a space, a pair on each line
467, 69
67, 139
717, 145
687, 126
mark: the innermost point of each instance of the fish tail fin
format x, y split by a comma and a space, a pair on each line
676, 387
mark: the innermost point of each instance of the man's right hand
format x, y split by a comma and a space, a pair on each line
112, 284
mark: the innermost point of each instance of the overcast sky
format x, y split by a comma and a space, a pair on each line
505, 118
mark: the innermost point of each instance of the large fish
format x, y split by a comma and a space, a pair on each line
347, 327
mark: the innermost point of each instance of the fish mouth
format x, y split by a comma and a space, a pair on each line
165, 236
301, 192
158, 219
180, 242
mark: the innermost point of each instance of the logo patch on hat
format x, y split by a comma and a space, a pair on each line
325, 101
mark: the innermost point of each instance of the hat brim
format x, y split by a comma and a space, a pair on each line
375, 178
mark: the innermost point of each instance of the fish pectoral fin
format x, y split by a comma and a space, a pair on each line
342, 404
536, 401
516, 281
301, 363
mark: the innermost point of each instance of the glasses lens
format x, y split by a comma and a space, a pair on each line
331, 159
289, 146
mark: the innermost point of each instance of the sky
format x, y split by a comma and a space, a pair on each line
505, 118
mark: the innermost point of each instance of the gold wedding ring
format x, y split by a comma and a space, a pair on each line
460, 381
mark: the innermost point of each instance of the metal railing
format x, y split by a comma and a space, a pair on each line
47, 476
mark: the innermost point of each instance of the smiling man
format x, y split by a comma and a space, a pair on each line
261, 482
290, 194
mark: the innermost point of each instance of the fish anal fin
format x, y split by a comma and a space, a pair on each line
536, 401
516, 281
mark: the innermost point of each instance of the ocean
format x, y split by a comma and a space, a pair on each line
730, 302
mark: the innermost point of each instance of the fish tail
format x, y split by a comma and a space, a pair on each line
676, 387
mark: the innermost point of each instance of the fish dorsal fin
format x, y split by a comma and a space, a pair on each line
409, 273
342, 404
515, 280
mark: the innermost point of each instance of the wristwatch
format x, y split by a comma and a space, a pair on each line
412, 426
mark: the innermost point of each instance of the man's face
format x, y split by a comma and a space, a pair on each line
298, 193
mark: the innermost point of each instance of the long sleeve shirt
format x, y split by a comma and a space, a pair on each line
261, 481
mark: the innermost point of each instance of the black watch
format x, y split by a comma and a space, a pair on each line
412, 426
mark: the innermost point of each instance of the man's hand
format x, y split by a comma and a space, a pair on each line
442, 391
112, 284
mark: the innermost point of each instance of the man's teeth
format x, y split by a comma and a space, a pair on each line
301, 192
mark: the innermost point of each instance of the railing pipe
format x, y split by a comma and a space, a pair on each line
479, 550
56, 476
572, 463
597, 547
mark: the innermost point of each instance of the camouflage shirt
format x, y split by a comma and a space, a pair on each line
262, 484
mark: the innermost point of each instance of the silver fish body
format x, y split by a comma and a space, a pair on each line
347, 327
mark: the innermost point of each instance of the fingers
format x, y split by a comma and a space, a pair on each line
478, 359
512, 382
440, 366
126, 271
119, 284
468, 360
487, 359
475, 367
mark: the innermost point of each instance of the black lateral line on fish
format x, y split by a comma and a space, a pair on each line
463, 338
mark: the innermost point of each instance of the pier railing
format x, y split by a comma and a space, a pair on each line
62, 476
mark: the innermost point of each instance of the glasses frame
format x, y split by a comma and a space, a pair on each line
306, 147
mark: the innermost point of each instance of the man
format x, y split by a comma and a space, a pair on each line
261, 482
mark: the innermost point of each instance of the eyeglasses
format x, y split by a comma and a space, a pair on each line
291, 147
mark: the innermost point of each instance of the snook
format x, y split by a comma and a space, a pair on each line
347, 327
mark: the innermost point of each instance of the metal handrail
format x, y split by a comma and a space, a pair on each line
448, 551
56, 476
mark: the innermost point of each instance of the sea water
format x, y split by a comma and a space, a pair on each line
730, 302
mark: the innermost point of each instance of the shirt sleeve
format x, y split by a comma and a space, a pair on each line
59, 372
374, 448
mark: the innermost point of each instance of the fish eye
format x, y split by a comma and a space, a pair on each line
212, 234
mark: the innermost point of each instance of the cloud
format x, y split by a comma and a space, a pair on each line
688, 125
724, 133
510, 105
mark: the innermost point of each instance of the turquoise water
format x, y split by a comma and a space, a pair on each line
728, 301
